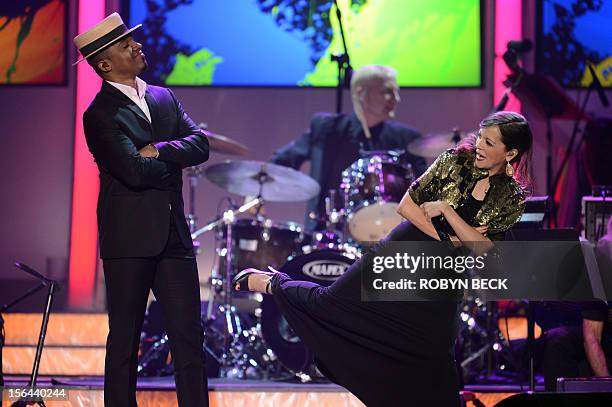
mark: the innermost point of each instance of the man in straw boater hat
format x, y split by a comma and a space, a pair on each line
141, 139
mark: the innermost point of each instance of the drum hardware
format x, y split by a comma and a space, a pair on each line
193, 173
478, 340
334, 233
236, 345
249, 357
230, 214
243, 352
159, 348
240, 343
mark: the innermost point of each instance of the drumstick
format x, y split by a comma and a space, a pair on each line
272, 269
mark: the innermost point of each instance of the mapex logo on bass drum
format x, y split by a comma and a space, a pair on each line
328, 270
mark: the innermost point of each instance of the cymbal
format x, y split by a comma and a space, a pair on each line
225, 145
432, 145
278, 183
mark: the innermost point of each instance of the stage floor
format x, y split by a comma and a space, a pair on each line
160, 392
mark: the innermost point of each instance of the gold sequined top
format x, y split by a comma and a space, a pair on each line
453, 175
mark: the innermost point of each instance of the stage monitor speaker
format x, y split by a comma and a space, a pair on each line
596, 212
543, 235
584, 384
536, 209
557, 400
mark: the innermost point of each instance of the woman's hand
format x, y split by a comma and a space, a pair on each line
482, 229
433, 209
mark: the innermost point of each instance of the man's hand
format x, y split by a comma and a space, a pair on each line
149, 151
433, 209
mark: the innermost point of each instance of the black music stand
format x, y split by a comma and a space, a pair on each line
544, 94
561, 234
53, 287
551, 101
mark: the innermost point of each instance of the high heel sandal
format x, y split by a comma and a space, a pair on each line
242, 279
268, 286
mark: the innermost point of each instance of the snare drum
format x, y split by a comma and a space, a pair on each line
259, 244
320, 266
373, 187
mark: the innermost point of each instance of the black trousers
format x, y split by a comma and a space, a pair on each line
173, 277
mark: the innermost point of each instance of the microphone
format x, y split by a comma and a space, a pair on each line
513, 51
439, 225
521, 46
597, 85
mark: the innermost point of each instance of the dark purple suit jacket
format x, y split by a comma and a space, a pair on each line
136, 193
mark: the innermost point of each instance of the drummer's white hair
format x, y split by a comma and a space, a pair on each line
362, 79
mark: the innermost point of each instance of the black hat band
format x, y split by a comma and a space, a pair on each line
106, 39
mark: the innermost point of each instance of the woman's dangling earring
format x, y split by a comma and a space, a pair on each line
509, 169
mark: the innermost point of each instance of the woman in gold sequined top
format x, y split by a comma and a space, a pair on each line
400, 353
478, 189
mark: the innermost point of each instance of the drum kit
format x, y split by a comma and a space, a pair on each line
258, 343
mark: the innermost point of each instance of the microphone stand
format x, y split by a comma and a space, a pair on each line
531, 345
504, 99
344, 65
570, 145
53, 287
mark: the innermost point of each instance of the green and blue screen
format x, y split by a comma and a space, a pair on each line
434, 43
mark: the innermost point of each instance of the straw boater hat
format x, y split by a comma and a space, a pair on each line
102, 35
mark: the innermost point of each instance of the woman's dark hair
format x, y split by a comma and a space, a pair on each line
515, 134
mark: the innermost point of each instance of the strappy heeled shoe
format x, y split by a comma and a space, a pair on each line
242, 278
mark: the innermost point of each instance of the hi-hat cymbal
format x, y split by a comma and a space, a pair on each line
432, 145
225, 145
276, 182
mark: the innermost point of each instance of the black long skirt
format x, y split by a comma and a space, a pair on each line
385, 353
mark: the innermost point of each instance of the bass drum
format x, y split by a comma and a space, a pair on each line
320, 266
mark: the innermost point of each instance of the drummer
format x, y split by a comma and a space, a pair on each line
333, 141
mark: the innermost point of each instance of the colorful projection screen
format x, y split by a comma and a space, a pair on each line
572, 33
433, 43
32, 40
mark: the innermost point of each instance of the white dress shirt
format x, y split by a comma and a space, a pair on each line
136, 96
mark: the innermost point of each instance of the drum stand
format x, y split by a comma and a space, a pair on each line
239, 342
233, 327
193, 173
